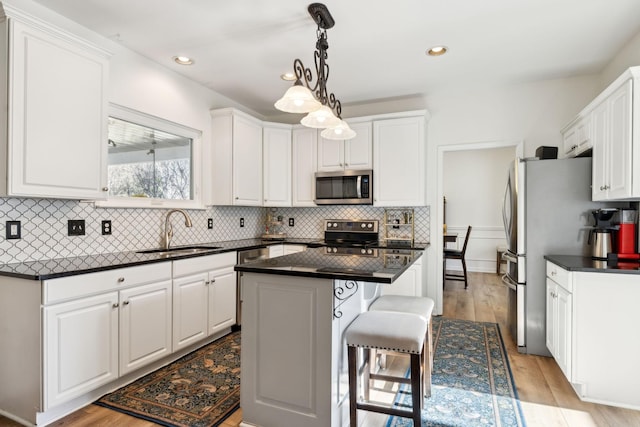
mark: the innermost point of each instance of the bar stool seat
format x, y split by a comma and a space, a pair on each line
386, 330
421, 306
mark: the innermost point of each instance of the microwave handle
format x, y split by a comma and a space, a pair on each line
359, 186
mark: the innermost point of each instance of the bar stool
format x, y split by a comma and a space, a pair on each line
421, 306
386, 330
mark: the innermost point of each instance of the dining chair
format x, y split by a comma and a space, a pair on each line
456, 254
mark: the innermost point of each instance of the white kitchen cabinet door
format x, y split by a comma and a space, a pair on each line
305, 165
409, 283
620, 143
190, 310
145, 325
80, 347
552, 314
330, 154
57, 115
277, 165
357, 150
399, 158
354, 153
222, 299
247, 162
612, 146
563, 321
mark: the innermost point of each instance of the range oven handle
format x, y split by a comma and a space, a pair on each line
359, 186
509, 283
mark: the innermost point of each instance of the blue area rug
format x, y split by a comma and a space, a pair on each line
472, 384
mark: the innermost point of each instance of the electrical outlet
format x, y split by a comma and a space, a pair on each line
209, 223
106, 227
13, 229
291, 222
75, 227
241, 222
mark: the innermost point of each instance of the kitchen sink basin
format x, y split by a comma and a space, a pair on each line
180, 250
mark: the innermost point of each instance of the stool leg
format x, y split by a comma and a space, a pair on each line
426, 371
366, 379
417, 398
352, 355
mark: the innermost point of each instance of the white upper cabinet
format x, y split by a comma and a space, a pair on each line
355, 153
399, 155
56, 91
613, 149
276, 146
305, 143
237, 158
577, 136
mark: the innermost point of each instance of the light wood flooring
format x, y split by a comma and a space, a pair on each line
547, 398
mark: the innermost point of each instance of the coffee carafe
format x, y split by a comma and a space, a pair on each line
601, 235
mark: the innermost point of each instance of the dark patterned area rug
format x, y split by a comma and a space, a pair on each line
472, 384
199, 390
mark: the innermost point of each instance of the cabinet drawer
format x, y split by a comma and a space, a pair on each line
204, 263
65, 288
559, 275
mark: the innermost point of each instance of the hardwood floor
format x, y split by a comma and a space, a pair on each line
547, 398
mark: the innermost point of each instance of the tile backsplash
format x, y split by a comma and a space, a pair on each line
44, 226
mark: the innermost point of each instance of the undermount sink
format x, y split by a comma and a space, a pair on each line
180, 250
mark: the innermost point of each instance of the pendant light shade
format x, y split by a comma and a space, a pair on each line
321, 118
340, 132
298, 99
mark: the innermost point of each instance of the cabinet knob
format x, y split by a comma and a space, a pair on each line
340, 164
120, 279
553, 273
237, 197
116, 305
346, 164
125, 302
213, 280
207, 282
105, 189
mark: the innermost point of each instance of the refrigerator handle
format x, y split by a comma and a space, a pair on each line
505, 220
509, 257
506, 280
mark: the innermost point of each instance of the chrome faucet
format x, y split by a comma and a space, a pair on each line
168, 228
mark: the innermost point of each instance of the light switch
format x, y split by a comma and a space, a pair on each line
13, 229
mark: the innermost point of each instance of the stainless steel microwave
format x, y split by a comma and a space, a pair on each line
348, 187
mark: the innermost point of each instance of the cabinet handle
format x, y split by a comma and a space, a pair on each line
115, 305
346, 164
105, 188
340, 164
120, 279
553, 273
207, 282
213, 280
126, 302
237, 197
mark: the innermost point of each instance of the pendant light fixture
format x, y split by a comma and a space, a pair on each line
305, 96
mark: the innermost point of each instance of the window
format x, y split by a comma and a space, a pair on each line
151, 162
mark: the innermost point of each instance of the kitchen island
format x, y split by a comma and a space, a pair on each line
295, 311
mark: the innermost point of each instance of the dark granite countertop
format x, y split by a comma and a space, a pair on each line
61, 267
386, 267
588, 264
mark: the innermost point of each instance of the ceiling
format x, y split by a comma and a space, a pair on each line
376, 48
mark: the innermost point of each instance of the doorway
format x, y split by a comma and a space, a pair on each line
463, 154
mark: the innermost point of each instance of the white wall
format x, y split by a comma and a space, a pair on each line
473, 184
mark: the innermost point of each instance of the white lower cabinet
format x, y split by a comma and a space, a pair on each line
204, 297
591, 318
409, 283
99, 326
80, 347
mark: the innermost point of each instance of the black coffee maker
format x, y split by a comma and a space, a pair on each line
602, 235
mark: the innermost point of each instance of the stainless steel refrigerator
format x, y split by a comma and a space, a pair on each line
546, 210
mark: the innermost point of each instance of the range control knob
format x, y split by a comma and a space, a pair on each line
369, 225
363, 251
335, 224
369, 251
363, 225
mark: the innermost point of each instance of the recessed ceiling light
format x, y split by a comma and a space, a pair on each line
183, 60
289, 76
437, 51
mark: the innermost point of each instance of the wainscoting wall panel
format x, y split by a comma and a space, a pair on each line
481, 249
